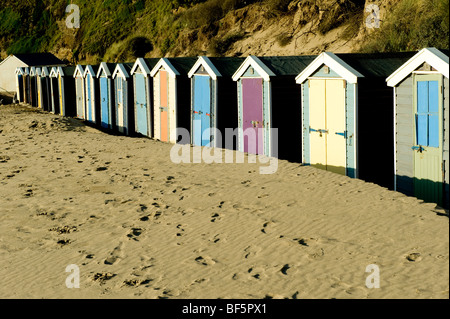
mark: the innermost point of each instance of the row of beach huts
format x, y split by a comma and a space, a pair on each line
383, 118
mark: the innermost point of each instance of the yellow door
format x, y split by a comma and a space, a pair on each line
61, 106
327, 125
335, 118
317, 123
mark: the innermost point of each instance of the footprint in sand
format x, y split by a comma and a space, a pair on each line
413, 257
115, 255
214, 217
135, 233
103, 276
205, 261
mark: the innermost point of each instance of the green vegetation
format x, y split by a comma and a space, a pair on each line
430, 27
121, 30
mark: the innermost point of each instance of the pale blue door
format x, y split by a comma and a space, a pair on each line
104, 98
201, 116
141, 105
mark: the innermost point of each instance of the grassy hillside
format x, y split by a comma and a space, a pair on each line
121, 30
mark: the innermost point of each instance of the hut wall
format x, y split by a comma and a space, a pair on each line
376, 132
156, 110
286, 117
405, 136
227, 109
446, 141
306, 146
181, 107
69, 97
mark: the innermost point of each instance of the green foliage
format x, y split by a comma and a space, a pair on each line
10, 22
397, 33
219, 47
339, 14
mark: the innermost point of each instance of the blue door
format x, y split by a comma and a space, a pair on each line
104, 97
88, 99
141, 105
201, 117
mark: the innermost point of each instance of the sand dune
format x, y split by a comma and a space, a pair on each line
139, 226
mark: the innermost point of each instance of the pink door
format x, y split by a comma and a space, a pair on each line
252, 95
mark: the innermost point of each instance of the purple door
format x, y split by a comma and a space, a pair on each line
252, 96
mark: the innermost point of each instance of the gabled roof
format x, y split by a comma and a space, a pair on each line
39, 59
91, 70
175, 66
257, 64
32, 71
54, 72
123, 70
145, 65
44, 71
273, 66
106, 69
79, 71
20, 71
436, 58
208, 65
351, 66
333, 61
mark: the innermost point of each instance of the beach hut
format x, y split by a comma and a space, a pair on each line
79, 91
45, 89
143, 95
54, 89
347, 114
66, 90
92, 94
14, 61
213, 100
38, 88
124, 98
26, 85
106, 88
172, 92
19, 84
268, 99
421, 113
33, 86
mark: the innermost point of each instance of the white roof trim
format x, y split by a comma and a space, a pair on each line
257, 64
432, 56
79, 71
334, 62
208, 65
44, 71
165, 63
19, 70
32, 71
89, 71
54, 72
120, 71
104, 69
140, 63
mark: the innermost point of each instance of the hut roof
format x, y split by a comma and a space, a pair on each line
438, 59
275, 65
39, 59
217, 67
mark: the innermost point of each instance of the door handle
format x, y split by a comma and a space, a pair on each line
344, 134
419, 148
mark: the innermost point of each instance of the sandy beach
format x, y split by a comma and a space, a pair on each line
139, 226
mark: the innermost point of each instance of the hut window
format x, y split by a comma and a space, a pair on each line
326, 69
427, 117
